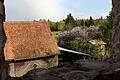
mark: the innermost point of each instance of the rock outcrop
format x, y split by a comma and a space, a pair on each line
2, 33
116, 31
79, 70
2, 41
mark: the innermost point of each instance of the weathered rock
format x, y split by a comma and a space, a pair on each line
87, 65
3, 74
2, 10
74, 75
48, 74
2, 33
116, 31
69, 73
80, 75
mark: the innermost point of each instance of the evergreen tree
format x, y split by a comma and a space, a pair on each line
87, 23
91, 21
107, 29
69, 22
82, 22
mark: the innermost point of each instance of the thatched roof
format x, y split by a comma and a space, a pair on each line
29, 39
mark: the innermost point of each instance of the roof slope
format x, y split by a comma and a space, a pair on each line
29, 39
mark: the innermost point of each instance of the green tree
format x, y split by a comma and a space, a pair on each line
87, 23
91, 21
82, 22
106, 29
53, 26
69, 22
99, 21
61, 25
81, 45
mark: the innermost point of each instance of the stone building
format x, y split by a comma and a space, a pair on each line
29, 45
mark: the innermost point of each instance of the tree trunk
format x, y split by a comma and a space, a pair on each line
116, 31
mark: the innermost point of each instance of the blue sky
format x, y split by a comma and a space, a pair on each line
56, 9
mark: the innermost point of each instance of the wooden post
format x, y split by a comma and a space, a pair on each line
3, 75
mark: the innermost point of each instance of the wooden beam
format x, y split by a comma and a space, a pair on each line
29, 59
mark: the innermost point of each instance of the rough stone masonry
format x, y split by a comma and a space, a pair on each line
116, 38
2, 40
116, 31
2, 33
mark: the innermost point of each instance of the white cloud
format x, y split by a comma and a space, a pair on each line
34, 9
94, 15
51, 9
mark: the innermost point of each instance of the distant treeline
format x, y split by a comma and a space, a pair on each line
70, 22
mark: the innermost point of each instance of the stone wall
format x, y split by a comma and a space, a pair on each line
2, 33
18, 69
116, 31
2, 41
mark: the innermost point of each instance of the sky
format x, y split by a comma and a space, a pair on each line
56, 10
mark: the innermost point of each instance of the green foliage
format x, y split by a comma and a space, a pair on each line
55, 33
53, 26
82, 45
61, 25
69, 22
99, 21
81, 23
106, 29
87, 24
91, 21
